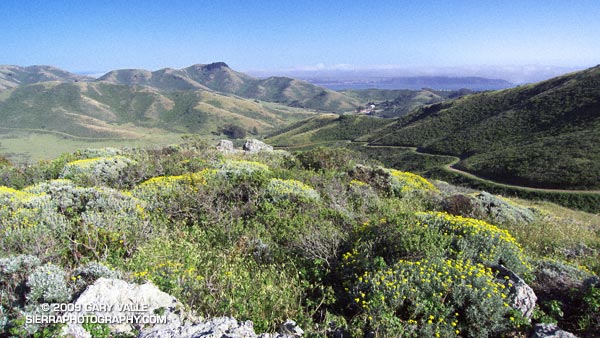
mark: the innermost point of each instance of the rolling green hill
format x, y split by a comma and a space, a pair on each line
14, 76
540, 135
326, 128
394, 103
220, 78
165, 79
105, 110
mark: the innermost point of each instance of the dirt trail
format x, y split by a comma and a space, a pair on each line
450, 167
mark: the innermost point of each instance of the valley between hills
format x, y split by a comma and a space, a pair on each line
540, 137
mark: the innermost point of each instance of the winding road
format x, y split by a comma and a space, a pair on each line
450, 167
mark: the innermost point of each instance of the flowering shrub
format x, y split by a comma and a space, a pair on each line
291, 190
391, 181
432, 298
165, 185
102, 221
28, 223
356, 184
242, 235
48, 283
403, 182
97, 170
478, 241
20, 209
232, 169
174, 197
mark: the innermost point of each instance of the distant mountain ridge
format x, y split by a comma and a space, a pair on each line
14, 76
220, 78
124, 104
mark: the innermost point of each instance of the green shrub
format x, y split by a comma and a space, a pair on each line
96, 330
89, 273
48, 284
432, 298
109, 171
24, 284
215, 282
241, 169
97, 152
478, 241
403, 182
291, 190
97, 223
174, 198
501, 210
13, 276
362, 197
568, 295
327, 159
4, 162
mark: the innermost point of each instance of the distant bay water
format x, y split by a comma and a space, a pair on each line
417, 83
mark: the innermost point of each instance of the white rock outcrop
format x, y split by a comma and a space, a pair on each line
253, 146
150, 313
550, 331
127, 307
226, 146
522, 296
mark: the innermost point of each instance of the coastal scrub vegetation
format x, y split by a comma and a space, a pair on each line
325, 237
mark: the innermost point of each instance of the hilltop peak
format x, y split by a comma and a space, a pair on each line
216, 65
211, 66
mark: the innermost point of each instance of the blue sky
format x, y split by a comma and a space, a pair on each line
95, 35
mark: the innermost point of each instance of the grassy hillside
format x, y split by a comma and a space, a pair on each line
333, 127
325, 128
540, 135
13, 76
320, 237
165, 79
102, 111
220, 78
394, 103
98, 109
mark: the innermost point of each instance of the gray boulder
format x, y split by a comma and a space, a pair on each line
226, 146
291, 329
75, 331
522, 296
224, 327
550, 331
155, 314
128, 306
254, 145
